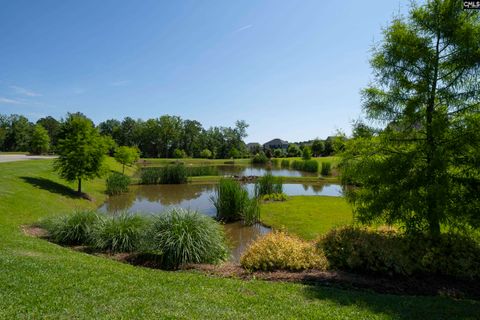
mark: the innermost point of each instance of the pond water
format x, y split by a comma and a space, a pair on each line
260, 170
154, 199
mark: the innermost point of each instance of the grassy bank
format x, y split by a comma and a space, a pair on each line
307, 216
43, 280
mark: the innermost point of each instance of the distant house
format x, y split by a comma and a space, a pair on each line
276, 144
254, 147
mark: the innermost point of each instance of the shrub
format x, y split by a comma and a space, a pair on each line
179, 154
285, 163
306, 153
260, 158
390, 253
205, 153
121, 233
73, 229
274, 197
279, 251
117, 183
202, 171
297, 165
171, 174
294, 150
230, 200
181, 236
326, 168
268, 184
278, 153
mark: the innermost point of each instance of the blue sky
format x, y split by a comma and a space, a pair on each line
291, 69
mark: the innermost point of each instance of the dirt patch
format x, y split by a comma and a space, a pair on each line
34, 231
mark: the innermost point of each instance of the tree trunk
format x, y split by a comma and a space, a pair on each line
79, 190
432, 203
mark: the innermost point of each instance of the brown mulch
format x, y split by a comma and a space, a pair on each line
428, 285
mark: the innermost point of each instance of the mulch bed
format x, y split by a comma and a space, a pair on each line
428, 285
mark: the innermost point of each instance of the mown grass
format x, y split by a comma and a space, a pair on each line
42, 280
307, 216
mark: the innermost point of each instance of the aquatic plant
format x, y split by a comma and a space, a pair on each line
117, 183
268, 184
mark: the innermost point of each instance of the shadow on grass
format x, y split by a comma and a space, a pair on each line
52, 186
397, 307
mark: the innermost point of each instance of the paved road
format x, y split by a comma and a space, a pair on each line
21, 157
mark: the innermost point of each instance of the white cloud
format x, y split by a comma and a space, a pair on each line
4, 100
248, 26
24, 91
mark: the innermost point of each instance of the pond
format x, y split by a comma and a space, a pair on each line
153, 199
260, 170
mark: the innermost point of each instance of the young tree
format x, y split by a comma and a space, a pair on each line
207, 154
306, 153
294, 150
40, 140
81, 150
127, 156
422, 169
318, 147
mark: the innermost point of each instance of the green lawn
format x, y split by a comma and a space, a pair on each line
307, 216
39, 279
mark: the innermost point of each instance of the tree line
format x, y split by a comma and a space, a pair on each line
166, 136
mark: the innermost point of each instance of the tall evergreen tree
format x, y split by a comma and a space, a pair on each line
423, 168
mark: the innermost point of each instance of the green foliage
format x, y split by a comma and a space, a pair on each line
260, 158
268, 184
294, 150
181, 236
279, 153
40, 140
285, 163
127, 156
275, 162
235, 153
230, 200
274, 197
117, 183
318, 147
326, 169
280, 251
202, 171
305, 165
251, 212
171, 174
122, 233
306, 153
233, 203
81, 150
388, 252
179, 154
421, 170
73, 229
207, 154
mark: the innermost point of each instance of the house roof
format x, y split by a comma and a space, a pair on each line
276, 142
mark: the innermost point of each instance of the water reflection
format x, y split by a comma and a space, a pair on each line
260, 170
154, 199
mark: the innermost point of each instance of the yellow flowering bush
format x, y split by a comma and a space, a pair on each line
280, 251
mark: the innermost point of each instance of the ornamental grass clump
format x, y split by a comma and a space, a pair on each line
178, 237
280, 251
121, 233
285, 163
73, 229
117, 183
202, 171
171, 174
